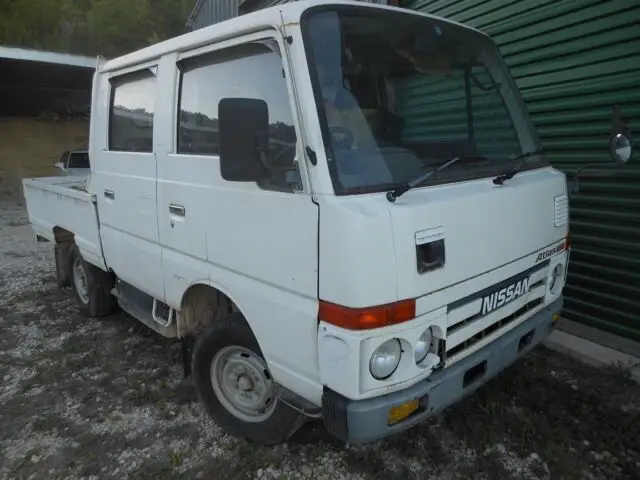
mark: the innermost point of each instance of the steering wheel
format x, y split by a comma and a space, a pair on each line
285, 149
341, 138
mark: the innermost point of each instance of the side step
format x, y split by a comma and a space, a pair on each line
153, 313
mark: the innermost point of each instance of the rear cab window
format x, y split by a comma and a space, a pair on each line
131, 111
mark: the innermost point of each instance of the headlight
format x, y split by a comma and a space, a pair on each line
423, 346
385, 359
556, 278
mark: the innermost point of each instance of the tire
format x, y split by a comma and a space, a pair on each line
91, 286
229, 345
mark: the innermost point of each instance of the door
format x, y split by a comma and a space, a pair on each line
124, 179
258, 243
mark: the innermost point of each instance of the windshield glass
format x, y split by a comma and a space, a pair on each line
400, 94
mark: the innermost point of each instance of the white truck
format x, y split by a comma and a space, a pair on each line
343, 207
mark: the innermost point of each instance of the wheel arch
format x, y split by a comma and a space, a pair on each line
62, 235
204, 302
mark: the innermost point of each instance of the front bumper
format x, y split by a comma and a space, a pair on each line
362, 421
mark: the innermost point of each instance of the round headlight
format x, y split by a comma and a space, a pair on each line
385, 359
423, 345
556, 278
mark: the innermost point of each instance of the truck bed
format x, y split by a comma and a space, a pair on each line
64, 203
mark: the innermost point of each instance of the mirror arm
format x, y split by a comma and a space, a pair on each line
575, 179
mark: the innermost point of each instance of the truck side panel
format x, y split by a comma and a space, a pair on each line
63, 202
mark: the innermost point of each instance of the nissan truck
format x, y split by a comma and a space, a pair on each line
342, 210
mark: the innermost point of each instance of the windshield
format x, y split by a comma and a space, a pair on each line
79, 160
400, 94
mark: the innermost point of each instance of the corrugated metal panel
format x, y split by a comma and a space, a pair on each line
270, 3
259, 4
252, 6
208, 12
574, 60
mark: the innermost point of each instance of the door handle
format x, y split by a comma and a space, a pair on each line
178, 210
109, 194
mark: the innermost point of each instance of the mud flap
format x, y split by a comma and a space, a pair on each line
61, 253
187, 344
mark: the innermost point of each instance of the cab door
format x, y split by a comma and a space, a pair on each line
257, 243
124, 176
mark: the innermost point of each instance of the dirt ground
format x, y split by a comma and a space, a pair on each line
29, 147
87, 398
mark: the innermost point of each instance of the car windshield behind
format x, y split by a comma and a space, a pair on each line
79, 160
400, 94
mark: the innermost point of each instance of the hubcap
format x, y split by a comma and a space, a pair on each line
243, 385
80, 281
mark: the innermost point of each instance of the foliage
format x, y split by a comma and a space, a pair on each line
91, 27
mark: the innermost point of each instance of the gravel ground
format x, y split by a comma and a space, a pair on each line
88, 398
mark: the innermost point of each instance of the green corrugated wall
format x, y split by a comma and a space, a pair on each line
574, 60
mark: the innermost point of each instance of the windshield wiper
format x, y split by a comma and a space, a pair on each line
500, 179
405, 187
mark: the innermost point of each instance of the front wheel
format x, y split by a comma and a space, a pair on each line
235, 386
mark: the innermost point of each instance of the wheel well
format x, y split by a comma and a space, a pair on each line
202, 305
62, 235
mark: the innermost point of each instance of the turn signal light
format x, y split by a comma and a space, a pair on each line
369, 317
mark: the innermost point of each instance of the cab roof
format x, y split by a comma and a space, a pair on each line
271, 17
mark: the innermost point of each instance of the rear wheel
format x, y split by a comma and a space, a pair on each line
236, 387
91, 286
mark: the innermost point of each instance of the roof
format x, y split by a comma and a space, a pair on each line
25, 54
251, 22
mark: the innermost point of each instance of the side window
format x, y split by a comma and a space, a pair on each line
131, 112
251, 70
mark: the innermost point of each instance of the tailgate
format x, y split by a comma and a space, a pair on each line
63, 202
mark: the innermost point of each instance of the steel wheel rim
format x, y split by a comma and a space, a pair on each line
80, 281
243, 385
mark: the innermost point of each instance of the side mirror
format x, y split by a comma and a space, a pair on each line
620, 148
243, 127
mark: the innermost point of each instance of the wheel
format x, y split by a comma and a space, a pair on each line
235, 386
91, 286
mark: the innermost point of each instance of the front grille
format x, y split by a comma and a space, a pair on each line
479, 315
496, 326
473, 318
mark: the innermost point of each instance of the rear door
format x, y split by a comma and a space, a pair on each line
124, 177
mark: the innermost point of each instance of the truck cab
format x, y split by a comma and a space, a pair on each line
343, 211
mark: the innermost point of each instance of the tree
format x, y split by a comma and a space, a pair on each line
91, 27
